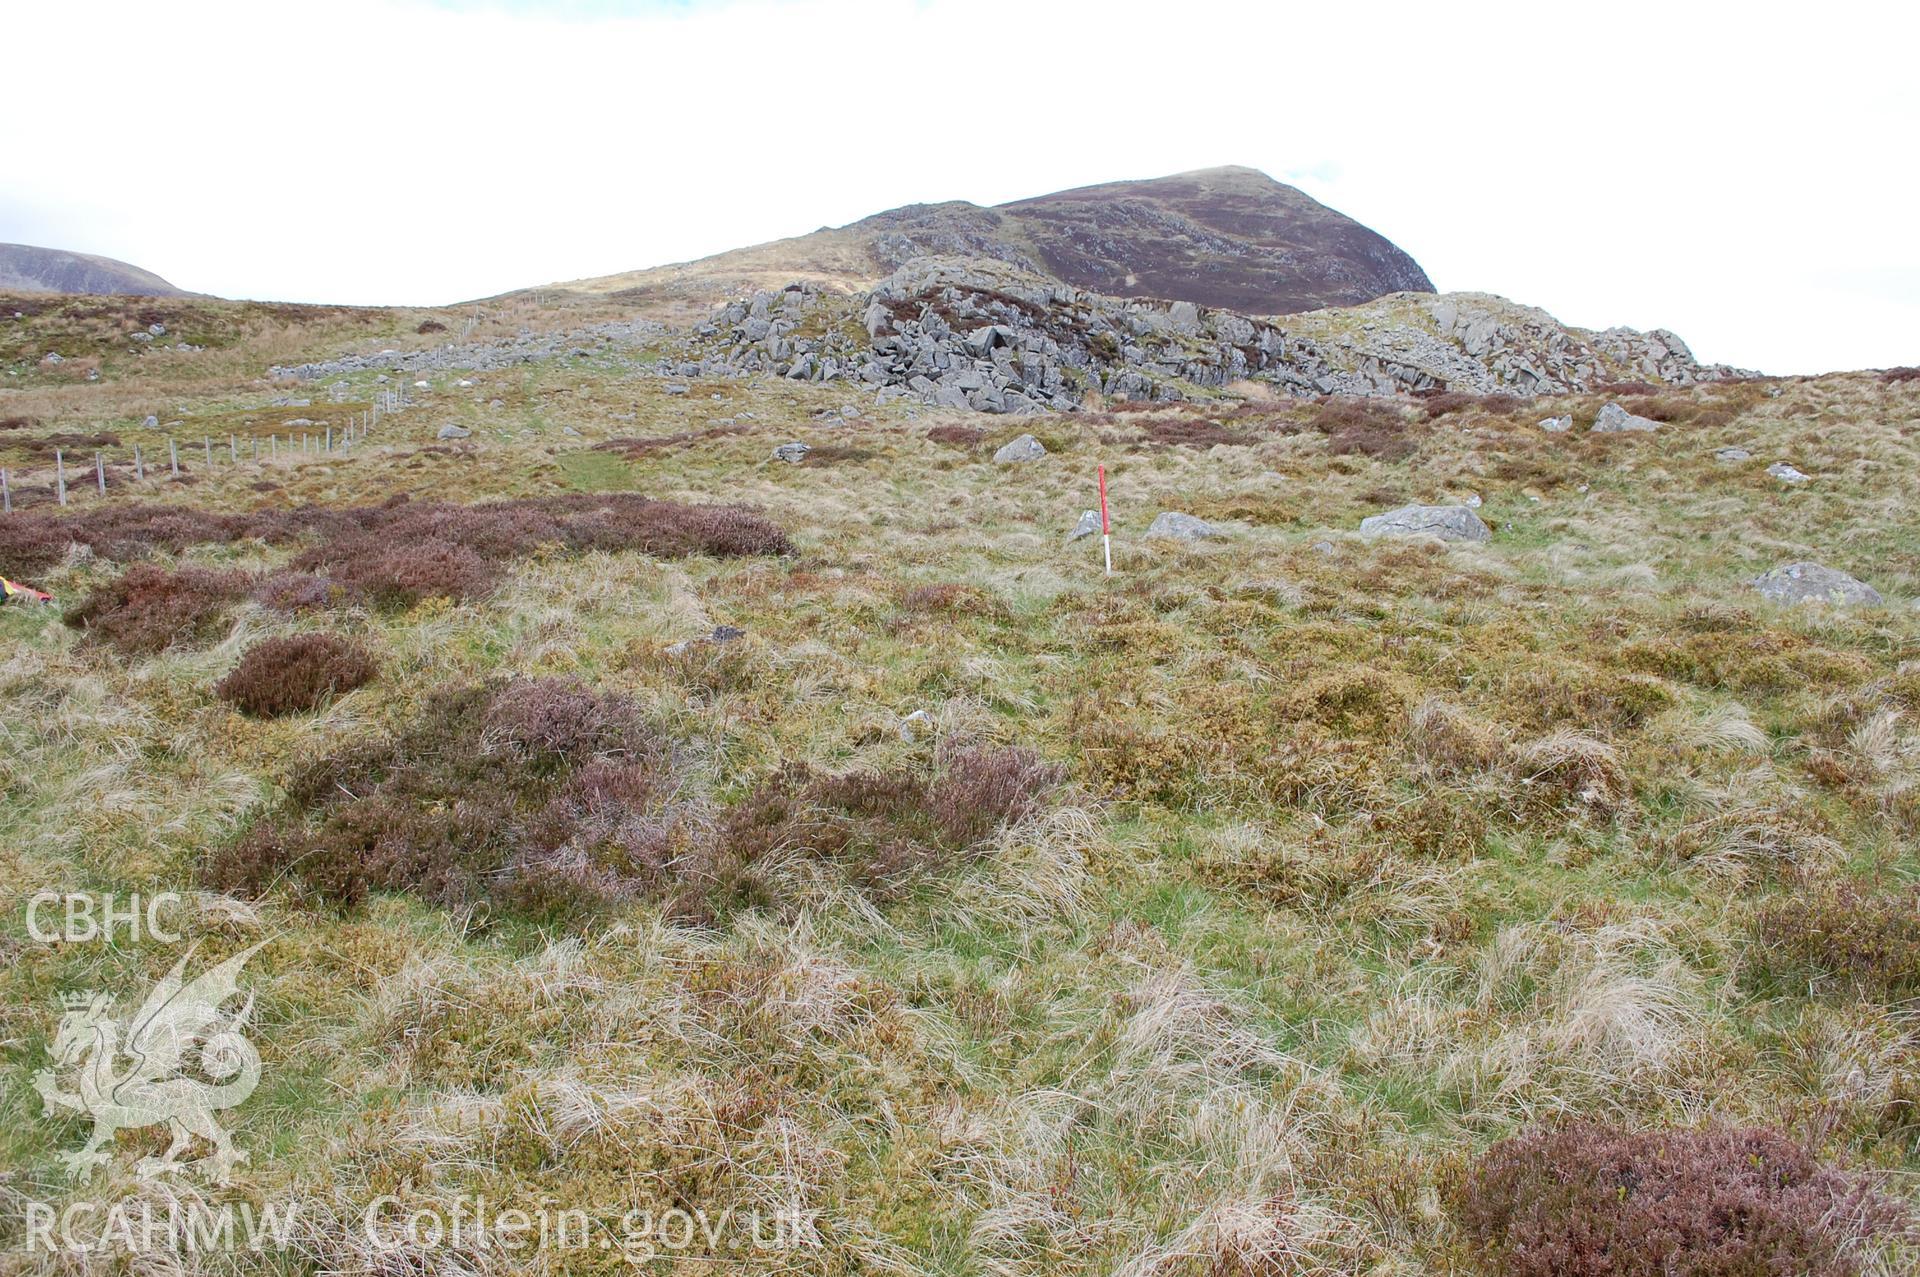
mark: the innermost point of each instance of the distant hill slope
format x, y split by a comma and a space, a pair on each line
1230, 237
26, 269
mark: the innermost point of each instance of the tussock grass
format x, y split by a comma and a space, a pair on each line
1353, 859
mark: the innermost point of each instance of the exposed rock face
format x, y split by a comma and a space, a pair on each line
26, 269
1613, 419
1448, 522
1025, 448
1171, 525
994, 338
1731, 455
1479, 343
1813, 583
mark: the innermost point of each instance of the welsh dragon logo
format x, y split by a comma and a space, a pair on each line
134, 1073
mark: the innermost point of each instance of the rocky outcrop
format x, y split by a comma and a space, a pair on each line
987, 336
1481, 344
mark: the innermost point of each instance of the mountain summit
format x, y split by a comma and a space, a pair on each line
1230, 237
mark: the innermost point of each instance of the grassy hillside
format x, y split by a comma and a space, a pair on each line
996, 916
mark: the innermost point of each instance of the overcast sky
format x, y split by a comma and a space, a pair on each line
1748, 180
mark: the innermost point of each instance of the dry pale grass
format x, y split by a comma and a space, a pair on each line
1371, 854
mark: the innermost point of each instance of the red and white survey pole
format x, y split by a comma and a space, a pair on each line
1106, 525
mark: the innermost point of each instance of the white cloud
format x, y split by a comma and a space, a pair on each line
1747, 180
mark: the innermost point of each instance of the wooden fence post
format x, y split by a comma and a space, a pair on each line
100, 473
173, 458
60, 475
6, 494
139, 470
207, 444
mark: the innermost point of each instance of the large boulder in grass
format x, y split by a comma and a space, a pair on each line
1025, 448
1171, 525
1447, 522
1613, 418
1796, 583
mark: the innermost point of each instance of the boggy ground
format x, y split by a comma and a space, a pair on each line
1218, 917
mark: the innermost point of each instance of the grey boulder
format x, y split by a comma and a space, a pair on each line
792, 453
1733, 454
1613, 418
1814, 583
446, 432
1557, 425
1447, 522
1787, 474
1088, 525
1025, 448
1171, 525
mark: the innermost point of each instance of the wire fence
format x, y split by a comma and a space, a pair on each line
319, 440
